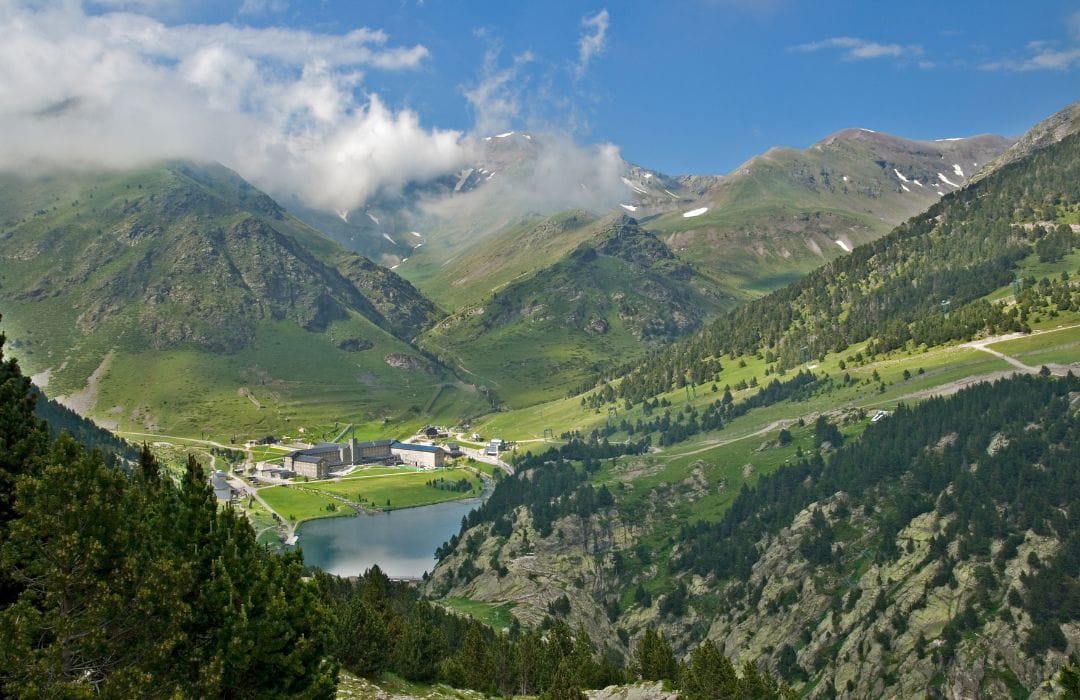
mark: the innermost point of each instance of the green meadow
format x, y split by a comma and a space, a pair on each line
376, 488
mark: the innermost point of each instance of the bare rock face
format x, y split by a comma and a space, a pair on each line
882, 637
638, 691
406, 362
1046, 133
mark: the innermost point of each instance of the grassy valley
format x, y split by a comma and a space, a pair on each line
179, 299
820, 484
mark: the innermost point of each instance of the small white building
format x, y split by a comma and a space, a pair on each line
494, 447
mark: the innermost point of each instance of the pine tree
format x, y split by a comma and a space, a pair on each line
149, 470
362, 645
708, 675
565, 686
418, 648
654, 659
23, 437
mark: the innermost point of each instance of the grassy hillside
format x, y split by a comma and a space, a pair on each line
921, 284
179, 298
770, 221
467, 273
785, 212
609, 299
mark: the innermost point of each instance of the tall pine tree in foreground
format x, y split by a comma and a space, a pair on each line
131, 587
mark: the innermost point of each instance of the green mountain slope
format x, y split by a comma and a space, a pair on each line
459, 275
748, 484
770, 221
937, 550
922, 283
1046, 133
610, 298
180, 298
787, 211
935, 541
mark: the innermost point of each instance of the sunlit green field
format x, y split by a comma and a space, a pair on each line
296, 506
399, 490
376, 488
495, 615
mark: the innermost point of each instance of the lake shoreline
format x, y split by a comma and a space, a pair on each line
403, 546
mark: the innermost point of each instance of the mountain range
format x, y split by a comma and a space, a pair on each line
778, 437
795, 483
185, 270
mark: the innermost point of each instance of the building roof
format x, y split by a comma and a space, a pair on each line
408, 446
223, 491
376, 443
321, 449
309, 458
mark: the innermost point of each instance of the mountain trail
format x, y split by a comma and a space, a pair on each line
984, 343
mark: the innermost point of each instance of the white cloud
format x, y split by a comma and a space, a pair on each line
497, 98
1042, 58
552, 174
1044, 55
154, 8
855, 49
593, 41
283, 107
263, 7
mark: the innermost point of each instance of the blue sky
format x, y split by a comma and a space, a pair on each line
701, 85
335, 101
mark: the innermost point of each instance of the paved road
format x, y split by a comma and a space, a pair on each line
247, 490
479, 456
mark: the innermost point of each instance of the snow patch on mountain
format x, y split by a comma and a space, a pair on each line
946, 180
845, 246
387, 237
695, 212
958, 170
628, 207
900, 175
